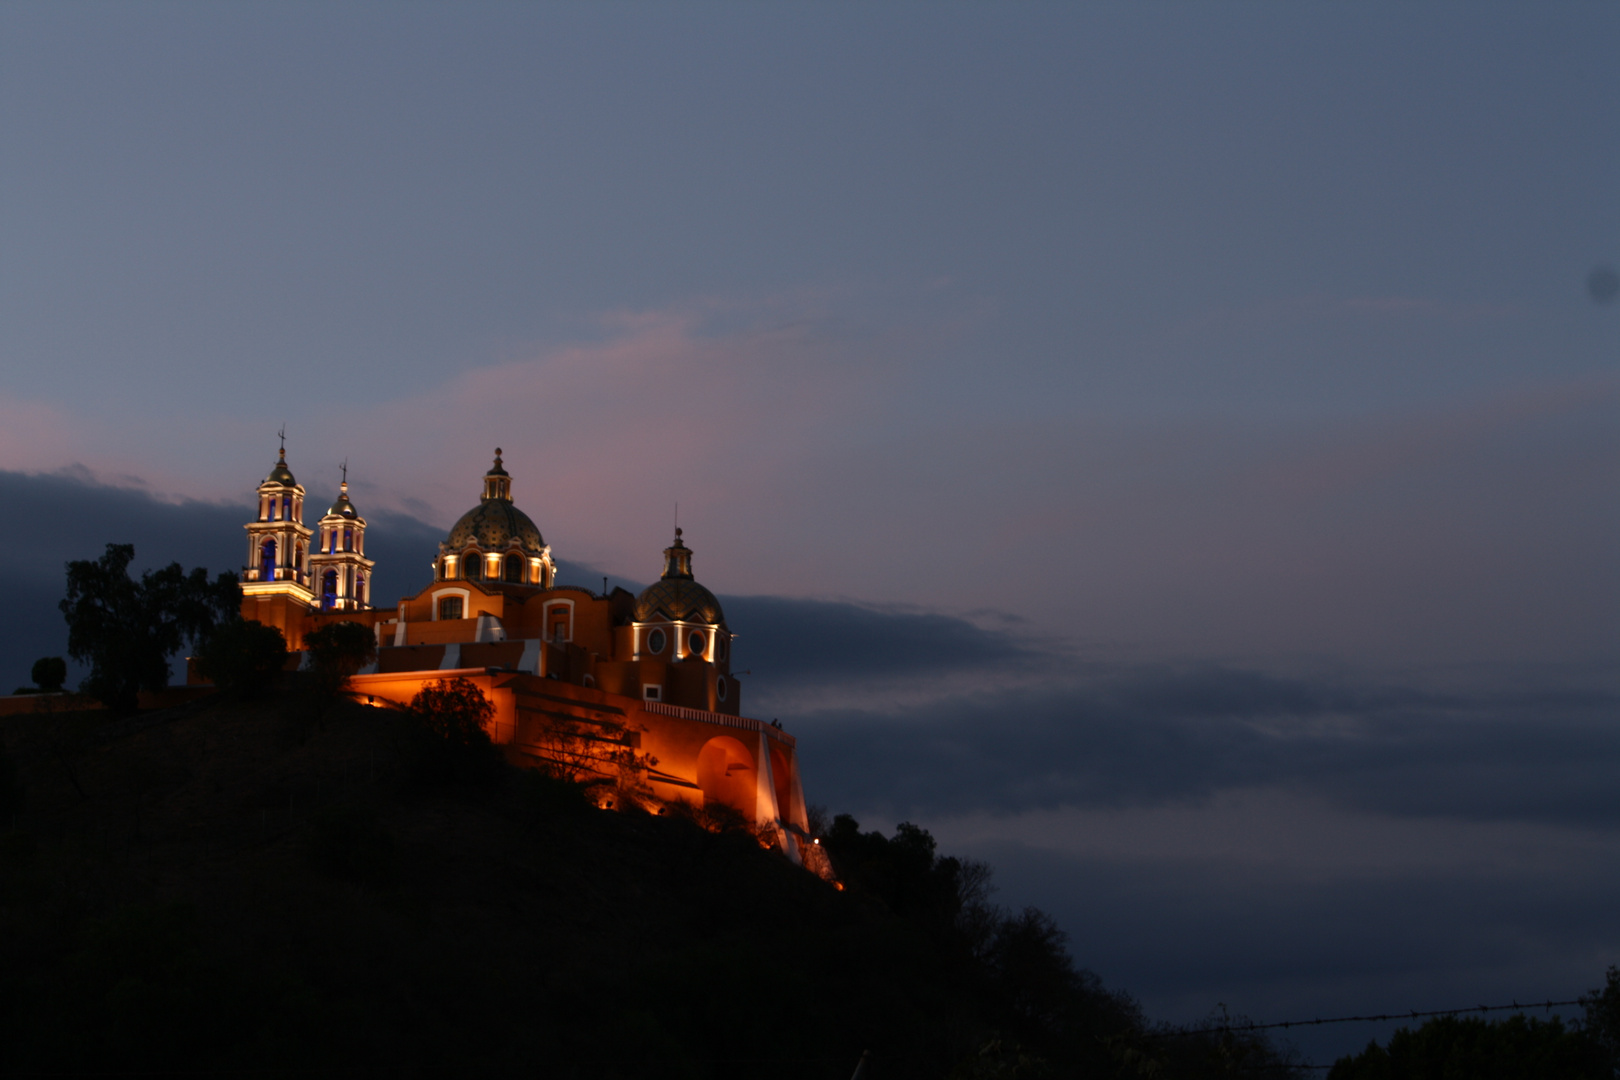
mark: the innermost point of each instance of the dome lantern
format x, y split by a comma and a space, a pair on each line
497, 483
677, 561
495, 541
676, 596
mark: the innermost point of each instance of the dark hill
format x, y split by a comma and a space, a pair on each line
262, 886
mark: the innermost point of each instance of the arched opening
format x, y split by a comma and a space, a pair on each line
725, 772
267, 561
348, 539
472, 566
329, 589
360, 588
513, 570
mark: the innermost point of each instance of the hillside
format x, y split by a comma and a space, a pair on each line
262, 886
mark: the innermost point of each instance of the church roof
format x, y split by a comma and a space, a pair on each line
495, 524
281, 474
679, 600
676, 596
492, 525
343, 507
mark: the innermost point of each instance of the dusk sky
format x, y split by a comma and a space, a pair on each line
1169, 451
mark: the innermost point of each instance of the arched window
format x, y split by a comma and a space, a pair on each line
450, 607
329, 589
267, 561
360, 588
348, 539
472, 565
286, 508
514, 569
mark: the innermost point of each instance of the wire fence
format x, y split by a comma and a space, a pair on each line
1412, 1015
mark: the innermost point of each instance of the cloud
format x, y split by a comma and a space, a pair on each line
805, 652
1117, 738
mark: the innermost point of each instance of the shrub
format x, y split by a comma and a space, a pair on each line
451, 747
339, 650
243, 655
49, 673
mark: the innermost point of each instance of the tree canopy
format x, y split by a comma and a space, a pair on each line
452, 747
49, 673
1518, 1047
127, 629
243, 655
339, 650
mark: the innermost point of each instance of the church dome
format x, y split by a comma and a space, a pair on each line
281, 474
495, 524
676, 596
343, 507
679, 601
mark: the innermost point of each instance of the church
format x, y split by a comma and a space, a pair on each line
632, 690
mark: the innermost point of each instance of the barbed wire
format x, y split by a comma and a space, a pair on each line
1412, 1015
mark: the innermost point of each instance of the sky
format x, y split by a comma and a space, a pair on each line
1169, 451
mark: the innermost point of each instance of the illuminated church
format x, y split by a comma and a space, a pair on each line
633, 689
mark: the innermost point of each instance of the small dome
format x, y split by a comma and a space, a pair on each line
343, 507
281, 474
676, 596
493, 525
679, 600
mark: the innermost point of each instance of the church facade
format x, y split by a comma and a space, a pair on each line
630, 690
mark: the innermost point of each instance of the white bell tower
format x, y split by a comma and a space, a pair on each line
278, 542
339, 572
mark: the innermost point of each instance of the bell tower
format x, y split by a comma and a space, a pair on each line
278, 542
339, 572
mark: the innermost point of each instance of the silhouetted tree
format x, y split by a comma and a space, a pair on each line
1602, 1020
452, 745
49, 673
127, 629
339, 650
906, 872
1517, 1048
242, 655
